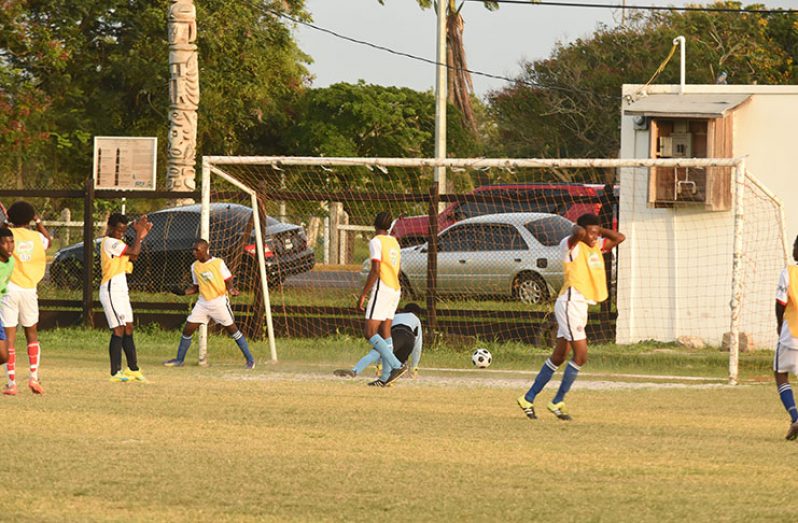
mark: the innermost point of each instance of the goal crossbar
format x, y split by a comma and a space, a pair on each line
474, 163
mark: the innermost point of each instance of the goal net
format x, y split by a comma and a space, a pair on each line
480, 247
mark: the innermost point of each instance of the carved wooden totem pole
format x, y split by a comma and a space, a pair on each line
184, 95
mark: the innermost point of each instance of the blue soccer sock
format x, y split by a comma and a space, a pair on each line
571, 372
389, 361
787, 398
182, 349
241, 341
546, 372
386, 372
369, 359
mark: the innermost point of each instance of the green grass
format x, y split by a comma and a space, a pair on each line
286, 442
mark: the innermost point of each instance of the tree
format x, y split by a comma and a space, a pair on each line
460, 88
373, 121
567, 105
100, 67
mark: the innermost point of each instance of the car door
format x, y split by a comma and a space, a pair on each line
455, 245
499, 251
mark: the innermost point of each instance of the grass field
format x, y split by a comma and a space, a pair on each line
289, 442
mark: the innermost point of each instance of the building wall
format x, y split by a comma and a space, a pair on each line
675, 270
765, 132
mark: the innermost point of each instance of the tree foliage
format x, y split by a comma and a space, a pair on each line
568, 104
71, 70
373, 121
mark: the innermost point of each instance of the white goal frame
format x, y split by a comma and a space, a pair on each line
739, 176
205, 226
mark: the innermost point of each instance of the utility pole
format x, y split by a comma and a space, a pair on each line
440, 99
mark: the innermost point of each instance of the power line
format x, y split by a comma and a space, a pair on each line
421, 58
647, 7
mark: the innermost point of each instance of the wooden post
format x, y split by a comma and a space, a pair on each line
88, 253
432, 259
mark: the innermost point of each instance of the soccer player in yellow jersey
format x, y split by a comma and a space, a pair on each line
585, 284
213, 281
786, 358
116, 259
383, 285
20, 305
6, 267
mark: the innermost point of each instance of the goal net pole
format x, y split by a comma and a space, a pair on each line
258, 244
737, 270
205, 232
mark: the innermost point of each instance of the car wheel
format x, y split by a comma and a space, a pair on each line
530, 288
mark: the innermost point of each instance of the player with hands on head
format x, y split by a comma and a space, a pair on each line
213, 281
585, 284
116, 262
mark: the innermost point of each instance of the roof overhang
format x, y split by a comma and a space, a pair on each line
686, 105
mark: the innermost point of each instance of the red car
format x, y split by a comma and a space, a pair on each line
569, 200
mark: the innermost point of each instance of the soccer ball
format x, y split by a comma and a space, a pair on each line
481, 358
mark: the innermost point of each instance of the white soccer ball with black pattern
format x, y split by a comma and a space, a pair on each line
481, 358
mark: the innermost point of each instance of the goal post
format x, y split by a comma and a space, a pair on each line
715, 284
207, 170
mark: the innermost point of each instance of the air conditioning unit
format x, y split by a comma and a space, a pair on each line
681, 145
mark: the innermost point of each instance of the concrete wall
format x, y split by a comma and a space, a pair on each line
674, 275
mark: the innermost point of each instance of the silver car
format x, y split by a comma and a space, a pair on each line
509, 255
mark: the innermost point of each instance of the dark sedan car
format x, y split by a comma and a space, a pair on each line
166, 254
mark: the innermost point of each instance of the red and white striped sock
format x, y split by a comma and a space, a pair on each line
34, 352
11, 365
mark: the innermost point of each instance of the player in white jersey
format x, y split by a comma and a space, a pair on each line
20, 305
785, 360
585, 284
116, 259
383, 291
213, 281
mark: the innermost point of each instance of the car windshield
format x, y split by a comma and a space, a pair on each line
551, 230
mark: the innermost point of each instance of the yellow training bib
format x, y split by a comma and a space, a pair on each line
791, 310
113, 265
585, 273
30, 260
389, 264
209, 278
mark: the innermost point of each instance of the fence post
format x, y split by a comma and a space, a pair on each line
88, 252
66, 217
432, 259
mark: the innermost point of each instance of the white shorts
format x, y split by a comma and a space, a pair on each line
382, 303
19, 307
571, 318
116, 305
785, 360
217, 310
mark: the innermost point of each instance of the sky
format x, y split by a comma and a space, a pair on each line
496, 42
